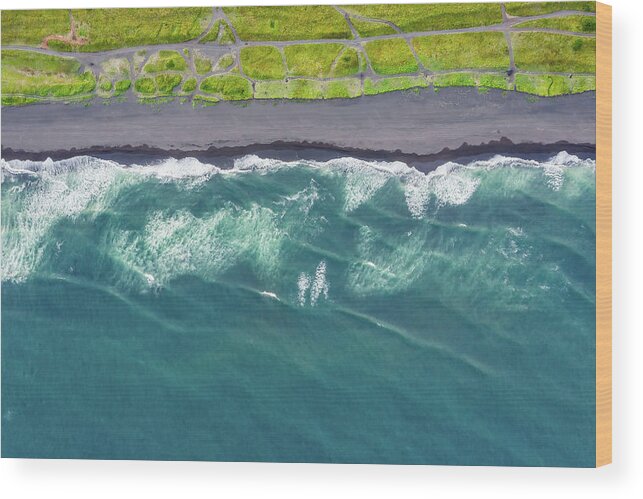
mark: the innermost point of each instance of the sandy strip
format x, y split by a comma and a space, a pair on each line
405, 124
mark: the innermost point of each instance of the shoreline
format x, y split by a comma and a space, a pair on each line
291, 151
420, 128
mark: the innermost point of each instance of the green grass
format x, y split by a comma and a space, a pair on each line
262, 63
536, 8
29, 27
463, 51
34, 74
166, 83
189, 86
114, 28
204, 100
391, 56
370, 28
430, 17
288, 23
226, 37
308, 89
165, 60
487, 80
145, 86
393, 84
557, 53
104, 84
312, 59
225, 61
17, 100
228, 87
578, 23
121, 86
347, 64
202, 64
552, 85
454, 80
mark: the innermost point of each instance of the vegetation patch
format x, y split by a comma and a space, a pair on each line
117, 67
121, 86
165, 60
30, 27
35, 74
391, 56
189, 86
463, 51
166, 83
347, 64
556, 53
537, 8
262, 63
104, 84
224, 62
228, 87
431, 17
581, 24
107, 29
145, 86
312, 59
202, 64
308, 22
371, 28
552, 85
488, 80
308, 89
373, 87
454, 80
18, 100
220, 33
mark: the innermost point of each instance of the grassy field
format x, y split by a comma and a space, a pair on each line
578, 23
166, 83
392, 84
288, 23
312, 59
224, 62
370, 28
228, 87
551, 85
536, 8
165, 60
33, 74
466, 50
262, 63
294, 70
391, 56
113, 28
308, 89
29, 27
565, 53
202, 64
430, 17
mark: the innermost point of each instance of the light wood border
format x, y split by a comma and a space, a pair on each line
603, 234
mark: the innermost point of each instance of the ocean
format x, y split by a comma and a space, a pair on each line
309, 311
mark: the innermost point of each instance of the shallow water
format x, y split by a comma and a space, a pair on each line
344, 311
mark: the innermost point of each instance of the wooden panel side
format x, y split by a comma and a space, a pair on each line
603, 234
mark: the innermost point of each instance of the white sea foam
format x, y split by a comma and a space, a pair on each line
311, 289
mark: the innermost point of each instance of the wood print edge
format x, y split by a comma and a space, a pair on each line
603, 234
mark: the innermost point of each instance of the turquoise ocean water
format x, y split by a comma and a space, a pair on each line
339, 311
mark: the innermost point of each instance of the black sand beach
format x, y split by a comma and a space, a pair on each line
419, 128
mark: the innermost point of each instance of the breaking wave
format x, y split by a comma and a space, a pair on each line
378, 225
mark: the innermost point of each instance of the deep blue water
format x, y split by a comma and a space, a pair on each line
336, 312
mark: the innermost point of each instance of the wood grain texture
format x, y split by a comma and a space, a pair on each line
603, 234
